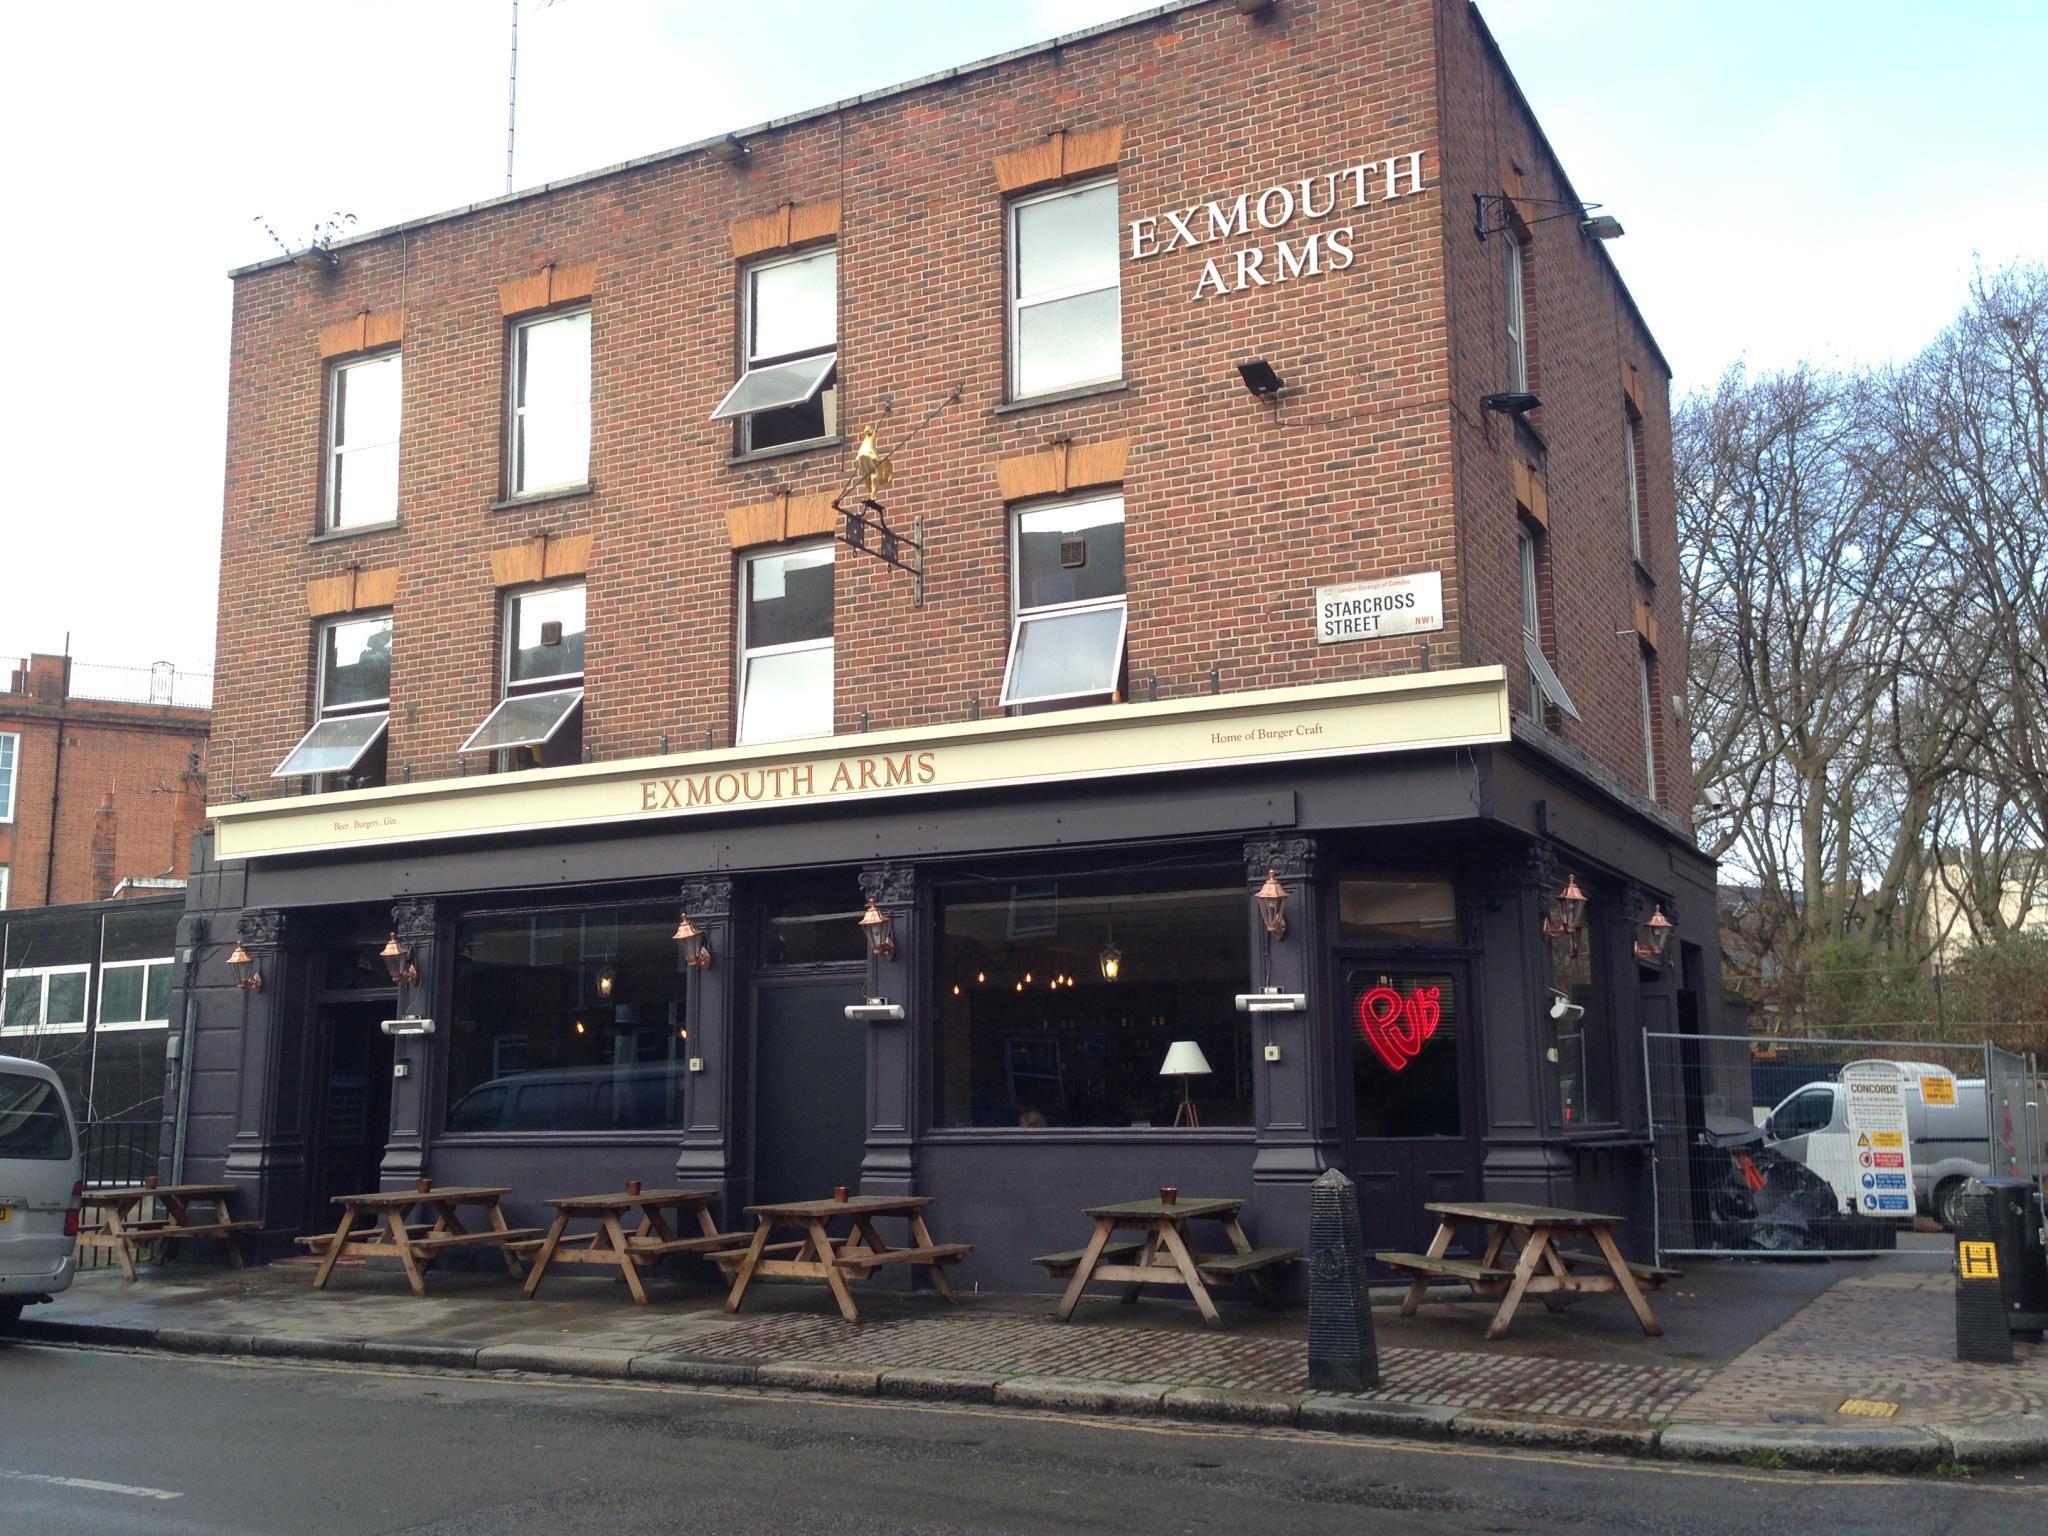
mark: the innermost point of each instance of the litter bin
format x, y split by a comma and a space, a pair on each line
2013, 1207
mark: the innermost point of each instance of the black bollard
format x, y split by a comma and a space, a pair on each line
1342, 1356
1981, 1332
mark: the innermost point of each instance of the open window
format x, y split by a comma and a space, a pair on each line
785, 683
539, 720
363, 399
1067, 639
1544, 683
345, 749
789, 325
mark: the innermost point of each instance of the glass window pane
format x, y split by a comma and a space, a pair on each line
32, 1124
568, 1021
554, 446
356, 664
156, 997
65, 1003
7, 749
554, 360
1058, 1001
1423, 907
531, 655
333, 746
1067, 242
789, 597
794, 306
21, 1002
367, 402
787, 694
1404, 1054
814, 917
1050, 569
366, 486
780, 384
524, 721
121, 994
1066, 655
1065, 343
128, 1074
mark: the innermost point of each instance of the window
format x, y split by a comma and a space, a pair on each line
10, 754
3, 887
1582, 1046
789, 324
48, 998
1066, 311
550, 436
1518, 320
1634, 487
1810, 1110
1544, 683
1058, 1000
1649, 694
135, 994
813, 918
539, 721
362, 441
1067, 642
568, 1021
354, 697
32, 1122
1404, 1054
1397, 908
786, 644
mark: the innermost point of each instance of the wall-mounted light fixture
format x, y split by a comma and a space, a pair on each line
607, 978
879, 929
398, 964
1260, 379
1272, 899
1493, 212
1656, 934
243, 964
1567, 912
695, 947
1511, 402
730, 150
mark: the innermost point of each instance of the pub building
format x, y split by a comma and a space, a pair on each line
1100, 620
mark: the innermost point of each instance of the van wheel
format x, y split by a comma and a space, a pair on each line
10, 1314
1948, 1208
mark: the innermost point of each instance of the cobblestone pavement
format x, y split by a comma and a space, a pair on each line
1101, 1350
1890, 1338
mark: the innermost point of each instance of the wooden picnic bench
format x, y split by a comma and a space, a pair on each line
818, 1255
612, 1246
121, 1229
1163, 1256
381, 1218
1540, 1268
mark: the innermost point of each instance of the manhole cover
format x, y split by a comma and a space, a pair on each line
1869, 1408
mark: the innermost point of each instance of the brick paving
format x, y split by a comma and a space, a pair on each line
1888, 1337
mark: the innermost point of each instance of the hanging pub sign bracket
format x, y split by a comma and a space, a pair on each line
867, 530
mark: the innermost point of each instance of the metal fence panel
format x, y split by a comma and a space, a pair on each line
1723, 1186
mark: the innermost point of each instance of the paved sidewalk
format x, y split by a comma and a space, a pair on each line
1756, 1362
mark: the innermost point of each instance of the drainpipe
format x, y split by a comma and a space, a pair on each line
57, 778
196, 940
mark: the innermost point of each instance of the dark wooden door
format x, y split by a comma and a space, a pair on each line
351, 1102
810, 1087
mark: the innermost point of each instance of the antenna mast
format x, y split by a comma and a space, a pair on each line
512, 99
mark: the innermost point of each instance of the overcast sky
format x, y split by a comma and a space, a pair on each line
1797, 180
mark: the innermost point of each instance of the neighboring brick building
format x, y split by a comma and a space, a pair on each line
495, 501
121, 780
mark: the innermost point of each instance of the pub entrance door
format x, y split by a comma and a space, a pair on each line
810, 1086
351, 1102
1413, 1099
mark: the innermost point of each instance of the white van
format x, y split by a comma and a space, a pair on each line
41, 1186
1948, 1140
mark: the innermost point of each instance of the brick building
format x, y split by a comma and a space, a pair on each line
1280, 500
102, 779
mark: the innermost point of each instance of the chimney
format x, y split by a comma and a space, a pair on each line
106, 829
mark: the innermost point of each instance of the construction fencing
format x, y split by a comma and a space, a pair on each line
1760, 1146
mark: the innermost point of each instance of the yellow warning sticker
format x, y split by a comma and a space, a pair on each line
1979, 1261
1937, 1090
1887, 1139
1869, 1407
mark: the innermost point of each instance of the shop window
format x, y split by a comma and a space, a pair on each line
363, 400
1067, 641
539, 721
789, 321
813, 918
1404, 1053
568, 1021
1066, 306
550, 427
1517, 314
1580, 1043
1407, 909
1544, 684
345, 749
10, 753
785, 684
1058, 1001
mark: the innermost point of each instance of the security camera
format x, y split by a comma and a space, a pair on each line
1563, 1008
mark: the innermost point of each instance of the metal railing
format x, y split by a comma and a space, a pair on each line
119, 1152
160, 683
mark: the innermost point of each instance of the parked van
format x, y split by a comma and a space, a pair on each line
1948, 1140
41, 1186
641, 1096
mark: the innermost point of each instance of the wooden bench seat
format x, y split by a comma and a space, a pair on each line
773, 1250
1233, 1266
937, 1253
366, 1232
1449, 1269
489, 1237
1650, 1274
711, 1245
1060, 1266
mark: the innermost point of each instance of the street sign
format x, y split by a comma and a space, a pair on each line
1876, 1116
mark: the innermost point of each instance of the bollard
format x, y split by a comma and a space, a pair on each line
1342, 1356
1981, 1332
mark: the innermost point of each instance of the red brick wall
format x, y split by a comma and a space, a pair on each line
1235, 509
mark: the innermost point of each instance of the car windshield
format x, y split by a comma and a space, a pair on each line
32, 1119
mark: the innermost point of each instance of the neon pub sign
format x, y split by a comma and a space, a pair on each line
1397, 1025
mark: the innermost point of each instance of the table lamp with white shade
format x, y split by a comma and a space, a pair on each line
1184, 1059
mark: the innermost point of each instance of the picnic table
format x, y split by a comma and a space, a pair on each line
818, 1255
1163, 1256
1543, 1269
613, 1246
122, 1228
381, 1217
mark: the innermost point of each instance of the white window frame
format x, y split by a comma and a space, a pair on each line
332, 522
42, 1026
748, 654
1014, 306
530, 687
1518, 317
1544, 683
751, 363
5, 874
10, 761
103, 1024
1021, 616
322, 713
1649, 725
515, 413
1635, 487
